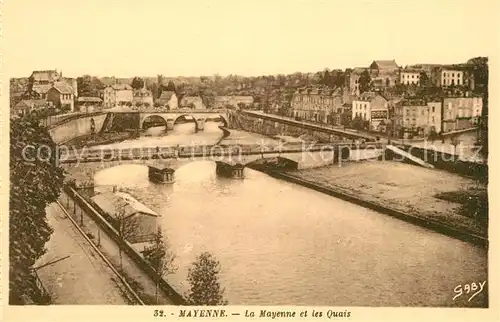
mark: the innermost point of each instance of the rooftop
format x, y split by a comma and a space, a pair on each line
121, 87
63, 88
384, 64
113, 202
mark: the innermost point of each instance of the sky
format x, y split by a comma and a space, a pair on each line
126, 38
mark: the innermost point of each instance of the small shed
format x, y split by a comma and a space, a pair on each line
138, 222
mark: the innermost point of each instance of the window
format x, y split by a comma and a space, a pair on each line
433, 108
458, 81
453, 75
433, 119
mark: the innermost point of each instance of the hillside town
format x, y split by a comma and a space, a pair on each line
417, 101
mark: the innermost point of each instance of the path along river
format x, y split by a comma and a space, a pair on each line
283, 244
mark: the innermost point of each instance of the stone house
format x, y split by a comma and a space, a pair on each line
371, 107
117, 94
62, 96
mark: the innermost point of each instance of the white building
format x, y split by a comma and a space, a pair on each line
450, 77
409, 77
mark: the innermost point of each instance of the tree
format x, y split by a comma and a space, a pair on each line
424, 79
364, 82
325, 79
35, 182
137, 83
357, 123
204, 280
126, 226
89, 86
161, 258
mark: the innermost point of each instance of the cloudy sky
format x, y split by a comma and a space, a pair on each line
255, 37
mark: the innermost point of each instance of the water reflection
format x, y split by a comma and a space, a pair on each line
283, 244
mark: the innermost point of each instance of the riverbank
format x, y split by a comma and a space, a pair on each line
435, 199
98, 139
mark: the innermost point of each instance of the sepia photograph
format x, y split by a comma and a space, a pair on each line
267, 153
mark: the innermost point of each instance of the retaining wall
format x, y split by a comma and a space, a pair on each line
99, 217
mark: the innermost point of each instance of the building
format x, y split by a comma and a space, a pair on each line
234, 101
193, 102
169, 98
41, 81
352, 80
143, 96
139, 222
45, 76
25, 107
449, 76
371, 107
417, 117
89, 103
409, 77
461, 112
62, 96
117, 94
384, 73
316, 105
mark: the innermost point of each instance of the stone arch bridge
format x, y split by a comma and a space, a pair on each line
199, 117
227, 164
79, 124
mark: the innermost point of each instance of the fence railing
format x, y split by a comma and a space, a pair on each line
96, 214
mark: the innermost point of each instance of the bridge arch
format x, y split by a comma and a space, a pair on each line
153, 116
190, 115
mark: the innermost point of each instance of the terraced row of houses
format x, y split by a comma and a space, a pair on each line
401, 115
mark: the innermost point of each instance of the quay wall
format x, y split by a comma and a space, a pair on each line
271, 126
76, 127
450, 162
98, 217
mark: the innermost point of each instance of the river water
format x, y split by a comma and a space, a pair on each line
283, 244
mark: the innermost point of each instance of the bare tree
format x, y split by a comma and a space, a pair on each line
161, 258
127, 226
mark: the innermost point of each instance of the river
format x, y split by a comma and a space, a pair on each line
283, 244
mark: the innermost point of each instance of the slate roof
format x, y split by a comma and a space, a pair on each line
63, 88
31, 103
384, 64
41, 88
113, 202
121, 87
44, 75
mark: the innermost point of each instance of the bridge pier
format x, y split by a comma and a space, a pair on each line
158, 174
200, 124
170, 125
341, 153
229, 170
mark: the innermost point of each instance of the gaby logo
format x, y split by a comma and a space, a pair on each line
472, 288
